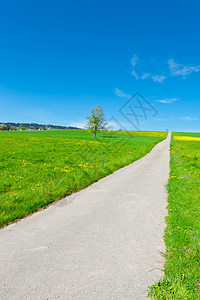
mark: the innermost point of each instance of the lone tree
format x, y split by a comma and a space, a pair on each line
96, 120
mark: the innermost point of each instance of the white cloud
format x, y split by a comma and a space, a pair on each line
155, 78
158, 78
188, 118
168, 101
121, 93
134, 60
135, 74
145, 76
180, 70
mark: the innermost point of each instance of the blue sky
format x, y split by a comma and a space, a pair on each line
60, 58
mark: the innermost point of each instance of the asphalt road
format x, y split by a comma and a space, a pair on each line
104, 242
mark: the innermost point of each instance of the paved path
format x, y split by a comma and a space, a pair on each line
104, 242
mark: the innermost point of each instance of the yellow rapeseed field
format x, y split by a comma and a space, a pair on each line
186, 138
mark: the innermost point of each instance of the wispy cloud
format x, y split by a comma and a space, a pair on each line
174, 69
134, 60
158, 78
155, 78
145, 76
135, 74
168, 101
180, 70
121, 93
188, 118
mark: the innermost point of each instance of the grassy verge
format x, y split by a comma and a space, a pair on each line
182, 234
36, 168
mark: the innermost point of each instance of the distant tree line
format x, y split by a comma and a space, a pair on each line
31, 126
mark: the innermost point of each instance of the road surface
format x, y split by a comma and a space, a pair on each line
104, 242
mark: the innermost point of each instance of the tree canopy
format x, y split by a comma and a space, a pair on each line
96, 120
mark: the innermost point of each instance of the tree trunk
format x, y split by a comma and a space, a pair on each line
94, 135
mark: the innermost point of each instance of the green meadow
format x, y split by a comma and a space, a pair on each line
182, 234
39, 167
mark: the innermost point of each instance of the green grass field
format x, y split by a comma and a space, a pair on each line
39, 167
182, 235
